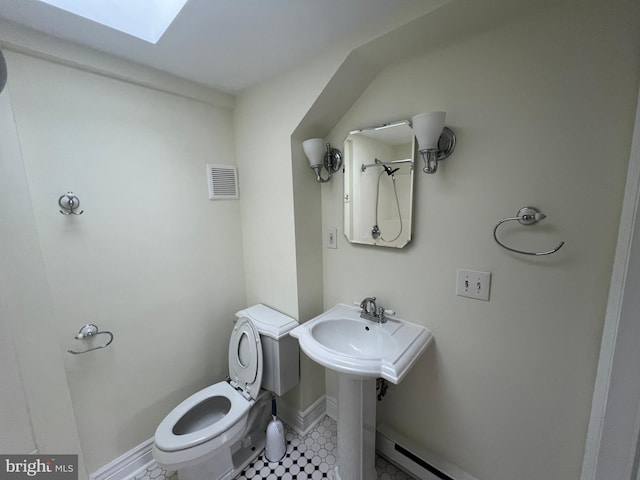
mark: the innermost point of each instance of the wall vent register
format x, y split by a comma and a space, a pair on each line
223, 182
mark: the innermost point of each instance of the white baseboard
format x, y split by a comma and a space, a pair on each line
332, 408
302, 422
126, 466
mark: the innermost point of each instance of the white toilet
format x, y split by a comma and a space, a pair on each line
216, 432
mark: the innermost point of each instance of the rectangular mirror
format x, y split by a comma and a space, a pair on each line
378, 185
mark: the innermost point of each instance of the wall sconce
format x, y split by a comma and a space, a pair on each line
435, 141
322, 154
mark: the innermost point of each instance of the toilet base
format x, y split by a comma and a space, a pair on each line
228, 462
219, 466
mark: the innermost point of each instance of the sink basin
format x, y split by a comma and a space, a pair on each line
353, 338
339, 339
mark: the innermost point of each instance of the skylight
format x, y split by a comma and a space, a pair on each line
145, 19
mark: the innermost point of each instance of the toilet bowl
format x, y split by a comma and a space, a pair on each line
200, 424
218, 431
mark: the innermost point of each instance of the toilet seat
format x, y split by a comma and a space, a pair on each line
245, 358
188, 426
165, 437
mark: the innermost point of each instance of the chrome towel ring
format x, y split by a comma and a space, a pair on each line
90, 330
526, 216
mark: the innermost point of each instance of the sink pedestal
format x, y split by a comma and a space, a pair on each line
356, 428
360, 351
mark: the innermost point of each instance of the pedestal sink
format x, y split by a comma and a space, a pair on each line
360, 351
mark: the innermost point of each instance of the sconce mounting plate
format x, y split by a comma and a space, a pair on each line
527, 215
333, 160
446, 143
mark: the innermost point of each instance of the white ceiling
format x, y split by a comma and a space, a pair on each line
229, 45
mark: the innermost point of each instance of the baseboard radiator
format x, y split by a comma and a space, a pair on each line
413, 460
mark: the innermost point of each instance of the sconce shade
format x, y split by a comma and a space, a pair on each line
315, 150
427, 128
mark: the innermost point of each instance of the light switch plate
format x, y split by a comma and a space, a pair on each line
473, 284
332, 237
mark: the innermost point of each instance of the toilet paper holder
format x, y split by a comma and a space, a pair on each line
88, 331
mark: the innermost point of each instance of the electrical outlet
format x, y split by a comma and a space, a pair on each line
472, 284
332, 237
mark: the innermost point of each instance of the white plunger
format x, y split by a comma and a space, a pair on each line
275, 446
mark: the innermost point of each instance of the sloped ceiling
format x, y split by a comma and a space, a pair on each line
228, 45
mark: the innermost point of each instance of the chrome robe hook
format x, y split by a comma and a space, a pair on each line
90, 330
525, 216
69, 203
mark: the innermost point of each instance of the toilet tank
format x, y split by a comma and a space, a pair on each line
280, 351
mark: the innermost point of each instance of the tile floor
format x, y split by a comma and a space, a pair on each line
312, 457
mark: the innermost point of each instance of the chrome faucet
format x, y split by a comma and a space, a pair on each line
371, 311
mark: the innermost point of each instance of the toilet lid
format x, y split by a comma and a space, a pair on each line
245, 358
